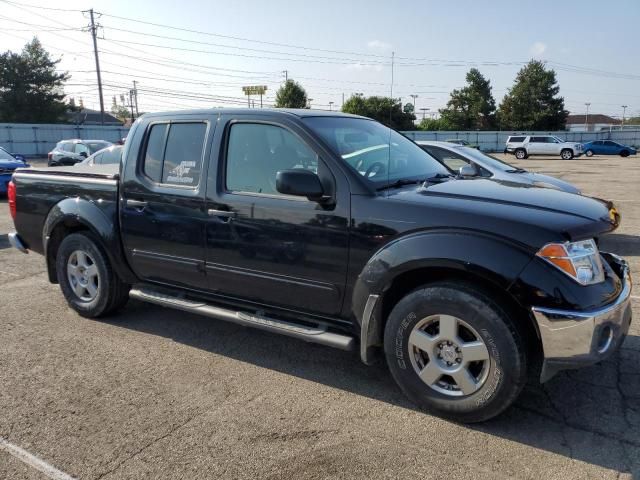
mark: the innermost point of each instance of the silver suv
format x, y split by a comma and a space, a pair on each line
524, 145
70, 152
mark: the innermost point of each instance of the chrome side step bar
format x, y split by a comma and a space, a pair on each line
314, 334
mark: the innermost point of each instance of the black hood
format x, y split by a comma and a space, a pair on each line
534, 215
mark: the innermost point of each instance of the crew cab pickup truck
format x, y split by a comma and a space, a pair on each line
336, 230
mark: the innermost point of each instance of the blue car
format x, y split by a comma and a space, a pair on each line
8, 163
607, 147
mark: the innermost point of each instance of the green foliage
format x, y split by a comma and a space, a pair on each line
472, 107
30, 88
291, 95
532, 103
408, 108
121, 112
388, 111
432, 124
632, 121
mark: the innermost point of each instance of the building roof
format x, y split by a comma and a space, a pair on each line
87, 116
593, 118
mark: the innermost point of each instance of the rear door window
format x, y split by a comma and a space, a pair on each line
174, 153
183, 154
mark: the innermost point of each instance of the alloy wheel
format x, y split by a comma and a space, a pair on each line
448, 355
83, 275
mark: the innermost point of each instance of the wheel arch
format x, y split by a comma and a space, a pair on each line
74, 215
473, 265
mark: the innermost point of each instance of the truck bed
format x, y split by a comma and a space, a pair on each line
42, 191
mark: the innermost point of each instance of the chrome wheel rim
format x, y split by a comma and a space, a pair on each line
448, 355
83, 276
566, 155
589, 153
520, 155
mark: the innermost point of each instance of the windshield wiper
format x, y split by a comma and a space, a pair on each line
399, 183
516, 170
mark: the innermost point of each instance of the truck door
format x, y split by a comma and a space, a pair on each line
270, 248
162, 205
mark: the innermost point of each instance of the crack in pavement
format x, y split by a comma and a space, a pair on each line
148, 445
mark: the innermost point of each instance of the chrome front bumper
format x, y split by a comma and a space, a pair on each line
573, 339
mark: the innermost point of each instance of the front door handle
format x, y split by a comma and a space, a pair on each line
139, 204
221, 213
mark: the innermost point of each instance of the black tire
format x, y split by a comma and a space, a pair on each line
624, 153
521, 153
112, 293
505, 371
589, 153
566, 154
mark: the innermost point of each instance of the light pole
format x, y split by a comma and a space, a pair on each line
624, 109
586, 118
414, 96
330, 105
424, 112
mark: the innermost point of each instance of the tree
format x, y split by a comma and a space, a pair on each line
472, 107
388, 111
121, 112
532, 103
30, 88
291, 95
431, 124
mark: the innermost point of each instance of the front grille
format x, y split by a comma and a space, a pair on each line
5, 170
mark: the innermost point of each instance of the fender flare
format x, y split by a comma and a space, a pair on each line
495, 259
76, 212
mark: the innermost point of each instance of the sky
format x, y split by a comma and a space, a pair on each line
200, 53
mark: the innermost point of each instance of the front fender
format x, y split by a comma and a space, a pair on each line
73, 213
491, 258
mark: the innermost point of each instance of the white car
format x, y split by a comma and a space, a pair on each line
524, 145
469, 162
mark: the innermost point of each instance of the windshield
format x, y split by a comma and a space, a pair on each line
488, 161
364, 146
95, 146
5, 156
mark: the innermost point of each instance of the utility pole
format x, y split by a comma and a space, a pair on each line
330, 105
414, 96
131, 105
135, 96
624, 109
586, 118
286, 75
343, 99
95, 51
424, 112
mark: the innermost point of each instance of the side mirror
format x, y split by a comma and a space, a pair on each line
299, 182
468, 171
83, 154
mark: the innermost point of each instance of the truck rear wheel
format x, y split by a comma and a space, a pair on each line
86, 278
454, 351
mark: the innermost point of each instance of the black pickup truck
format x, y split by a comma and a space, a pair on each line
334, 229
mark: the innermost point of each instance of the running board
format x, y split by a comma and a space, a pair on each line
314, 334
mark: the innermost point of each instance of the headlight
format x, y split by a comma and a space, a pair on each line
578, 146
580, 260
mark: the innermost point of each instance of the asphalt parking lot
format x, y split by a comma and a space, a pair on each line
156, 393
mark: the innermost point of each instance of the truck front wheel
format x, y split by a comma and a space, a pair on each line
86, 278
454, 351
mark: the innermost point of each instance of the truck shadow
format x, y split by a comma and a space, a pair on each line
590, 415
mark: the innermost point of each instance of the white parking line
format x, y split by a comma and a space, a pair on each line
25, 457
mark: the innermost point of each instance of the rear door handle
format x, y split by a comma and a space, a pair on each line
221, 213
139, 204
